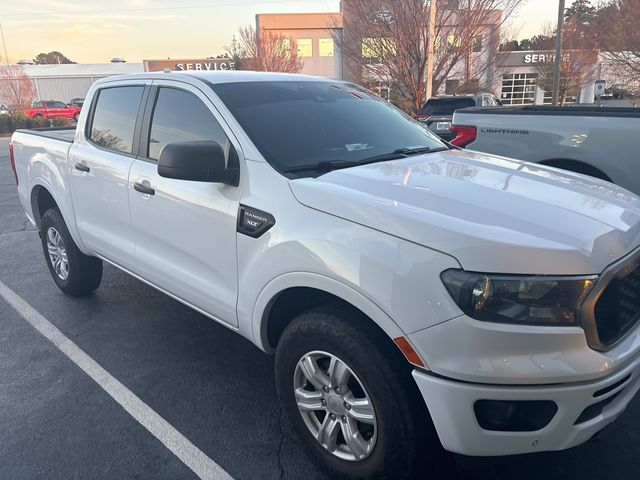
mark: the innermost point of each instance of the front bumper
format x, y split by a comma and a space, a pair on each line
451, 405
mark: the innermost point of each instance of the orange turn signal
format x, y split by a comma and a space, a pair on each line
410, 354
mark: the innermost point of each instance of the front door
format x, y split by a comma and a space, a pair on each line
185, 232
99, 165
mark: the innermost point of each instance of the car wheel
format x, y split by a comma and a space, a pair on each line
75, 273
349, 403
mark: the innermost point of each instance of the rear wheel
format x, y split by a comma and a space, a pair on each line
351, 405
75, 273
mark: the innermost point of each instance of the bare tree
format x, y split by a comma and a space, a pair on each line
577, 65
616, 29
388, 41
16, 88
265, 51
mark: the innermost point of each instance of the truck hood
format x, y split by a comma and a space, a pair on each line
491, 213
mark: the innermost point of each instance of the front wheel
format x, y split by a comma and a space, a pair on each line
75, 273
349, 402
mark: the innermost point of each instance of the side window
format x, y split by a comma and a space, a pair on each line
114, 117
37, 104
179, 116
50, 104
60, 105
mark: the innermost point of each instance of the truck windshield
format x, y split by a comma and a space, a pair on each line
297, 125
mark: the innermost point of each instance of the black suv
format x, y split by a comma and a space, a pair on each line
437, 113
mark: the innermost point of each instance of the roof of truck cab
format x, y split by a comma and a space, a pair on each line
225, 76
228, 76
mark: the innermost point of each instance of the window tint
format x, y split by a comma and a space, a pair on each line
446, 106
115, 117
297, 123
37, 104
59, 105
180, 116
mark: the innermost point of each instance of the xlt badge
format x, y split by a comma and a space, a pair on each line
253, 222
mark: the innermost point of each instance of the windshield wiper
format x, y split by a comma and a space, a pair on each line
328, 165
417, 150
324, 166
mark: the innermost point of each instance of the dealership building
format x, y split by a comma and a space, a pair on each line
524, 78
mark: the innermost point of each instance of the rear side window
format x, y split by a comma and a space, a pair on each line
446, 106
179, 116
115, 117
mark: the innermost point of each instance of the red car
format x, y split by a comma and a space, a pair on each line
52, 109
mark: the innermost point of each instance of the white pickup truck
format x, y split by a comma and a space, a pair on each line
601, 142
410, 291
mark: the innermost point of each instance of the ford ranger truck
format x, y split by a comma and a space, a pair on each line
415, 295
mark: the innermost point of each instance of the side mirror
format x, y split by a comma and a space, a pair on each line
202, 161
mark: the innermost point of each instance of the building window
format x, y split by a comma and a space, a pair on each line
519, 88
571, 95
283, 46
326, 47
476, 45
451, 86
454, 41
377, 49
305, 47
381, 88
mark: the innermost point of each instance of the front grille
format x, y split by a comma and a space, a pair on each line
618, 309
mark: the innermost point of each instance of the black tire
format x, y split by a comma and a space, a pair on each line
84, 273
406, 442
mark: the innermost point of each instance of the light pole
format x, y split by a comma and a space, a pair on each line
558, 59
431, 49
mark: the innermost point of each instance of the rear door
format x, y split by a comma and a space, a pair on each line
62, 110
100, 161
185, 232
52, 110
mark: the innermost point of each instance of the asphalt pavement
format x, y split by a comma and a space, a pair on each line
211, 385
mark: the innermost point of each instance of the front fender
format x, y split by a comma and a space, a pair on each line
318, 282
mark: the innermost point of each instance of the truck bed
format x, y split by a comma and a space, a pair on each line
589, 111
65, 134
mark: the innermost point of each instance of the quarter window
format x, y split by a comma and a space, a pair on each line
115, 117
179, 116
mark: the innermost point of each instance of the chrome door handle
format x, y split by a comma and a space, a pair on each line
82, 167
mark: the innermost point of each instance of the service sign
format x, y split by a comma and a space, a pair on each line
600, 87
177, 65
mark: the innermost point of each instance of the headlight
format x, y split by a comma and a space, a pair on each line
532, 300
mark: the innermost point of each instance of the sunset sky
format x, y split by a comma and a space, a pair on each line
95, 31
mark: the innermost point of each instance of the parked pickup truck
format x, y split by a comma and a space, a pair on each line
53, 109
437, 112
411, 292
601, 142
